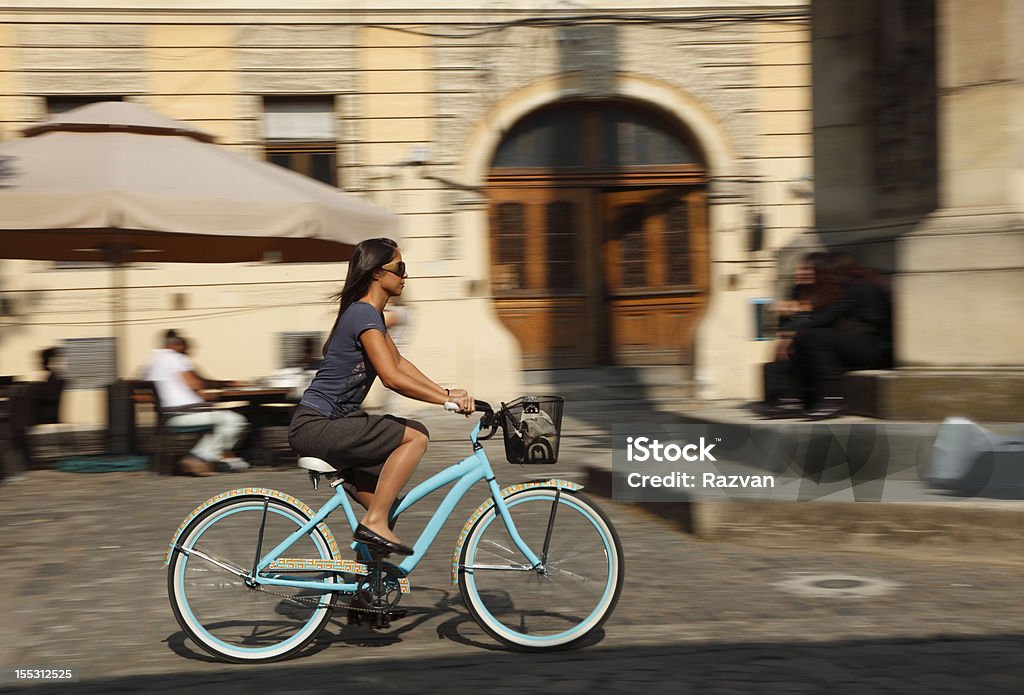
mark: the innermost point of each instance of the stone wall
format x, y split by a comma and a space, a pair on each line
403, 95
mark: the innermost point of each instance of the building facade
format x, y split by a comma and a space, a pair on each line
580, 184
919, 170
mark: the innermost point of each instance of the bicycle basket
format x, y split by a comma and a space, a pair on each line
532, 426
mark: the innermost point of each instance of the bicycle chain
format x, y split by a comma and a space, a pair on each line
315, 603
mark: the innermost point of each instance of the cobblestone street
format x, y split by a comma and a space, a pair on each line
83, 558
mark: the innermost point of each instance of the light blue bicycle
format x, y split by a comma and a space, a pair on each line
253, 573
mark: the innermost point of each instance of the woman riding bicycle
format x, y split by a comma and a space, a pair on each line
329, 423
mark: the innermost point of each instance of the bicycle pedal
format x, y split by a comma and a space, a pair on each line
371, 620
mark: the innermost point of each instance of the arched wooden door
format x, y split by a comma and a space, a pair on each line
599, 247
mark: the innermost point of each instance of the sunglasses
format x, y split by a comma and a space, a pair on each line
397, 268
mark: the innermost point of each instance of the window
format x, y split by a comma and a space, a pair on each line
293, 347
300, 135
765, 325
62, 104
592, 136
640, 139
634, 256
550, 139
91, 362
510, 241
561, 239
677, 244
536, 243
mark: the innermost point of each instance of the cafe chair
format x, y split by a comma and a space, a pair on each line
12, 453
43, 400
171, 441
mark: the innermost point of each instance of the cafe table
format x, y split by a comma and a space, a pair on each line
257, 404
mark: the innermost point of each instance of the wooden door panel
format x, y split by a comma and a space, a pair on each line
538, 277
658, 331
548, 330
584, 276
656, 268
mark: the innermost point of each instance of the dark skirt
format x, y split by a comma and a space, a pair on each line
357, 440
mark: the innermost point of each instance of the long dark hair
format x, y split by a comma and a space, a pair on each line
840, 269
369, 256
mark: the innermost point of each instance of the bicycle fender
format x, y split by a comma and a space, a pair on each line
332, 544
552, 484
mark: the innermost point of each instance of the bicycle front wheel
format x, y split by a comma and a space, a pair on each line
580, 583
217, 609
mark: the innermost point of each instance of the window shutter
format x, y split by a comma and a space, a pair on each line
292, 346
91, 362
511, 246
677, 244
299, 119
561, 240
634, 246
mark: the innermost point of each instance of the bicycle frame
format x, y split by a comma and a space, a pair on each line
464, 474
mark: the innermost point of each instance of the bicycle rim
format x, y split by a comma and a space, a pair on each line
574, 596
215, 607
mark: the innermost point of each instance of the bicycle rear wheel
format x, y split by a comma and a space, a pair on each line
578, 589
218, 610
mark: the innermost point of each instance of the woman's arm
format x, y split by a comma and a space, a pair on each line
408, 367
411, 385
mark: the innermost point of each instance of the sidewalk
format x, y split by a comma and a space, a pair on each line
903, 513
894, 510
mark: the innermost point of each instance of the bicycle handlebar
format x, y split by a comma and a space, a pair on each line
481, 407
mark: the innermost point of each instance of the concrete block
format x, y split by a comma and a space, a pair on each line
934, 395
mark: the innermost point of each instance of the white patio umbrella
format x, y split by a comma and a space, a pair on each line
116, 181
116, 173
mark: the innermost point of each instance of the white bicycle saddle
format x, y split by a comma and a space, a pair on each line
311, 463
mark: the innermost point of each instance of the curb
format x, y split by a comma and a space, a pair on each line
966, 529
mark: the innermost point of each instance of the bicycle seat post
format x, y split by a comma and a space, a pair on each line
378, 588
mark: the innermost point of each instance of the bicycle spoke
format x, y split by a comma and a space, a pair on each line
221, 612
558, 604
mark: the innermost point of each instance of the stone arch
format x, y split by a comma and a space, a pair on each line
708, 133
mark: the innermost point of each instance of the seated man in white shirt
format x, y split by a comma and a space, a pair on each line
179, 388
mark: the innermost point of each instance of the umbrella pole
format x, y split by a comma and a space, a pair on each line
117, 256
117, 313
120, 409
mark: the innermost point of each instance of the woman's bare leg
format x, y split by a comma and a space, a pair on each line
398, 469
365, 485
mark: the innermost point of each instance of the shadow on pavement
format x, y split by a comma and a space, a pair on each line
943, 664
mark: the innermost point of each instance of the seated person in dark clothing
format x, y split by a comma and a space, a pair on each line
780, 380
849, 328
781, 385
46, 394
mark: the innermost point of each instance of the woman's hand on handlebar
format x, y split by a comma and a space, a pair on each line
461, 398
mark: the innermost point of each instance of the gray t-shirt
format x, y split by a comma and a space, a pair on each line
346, 375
